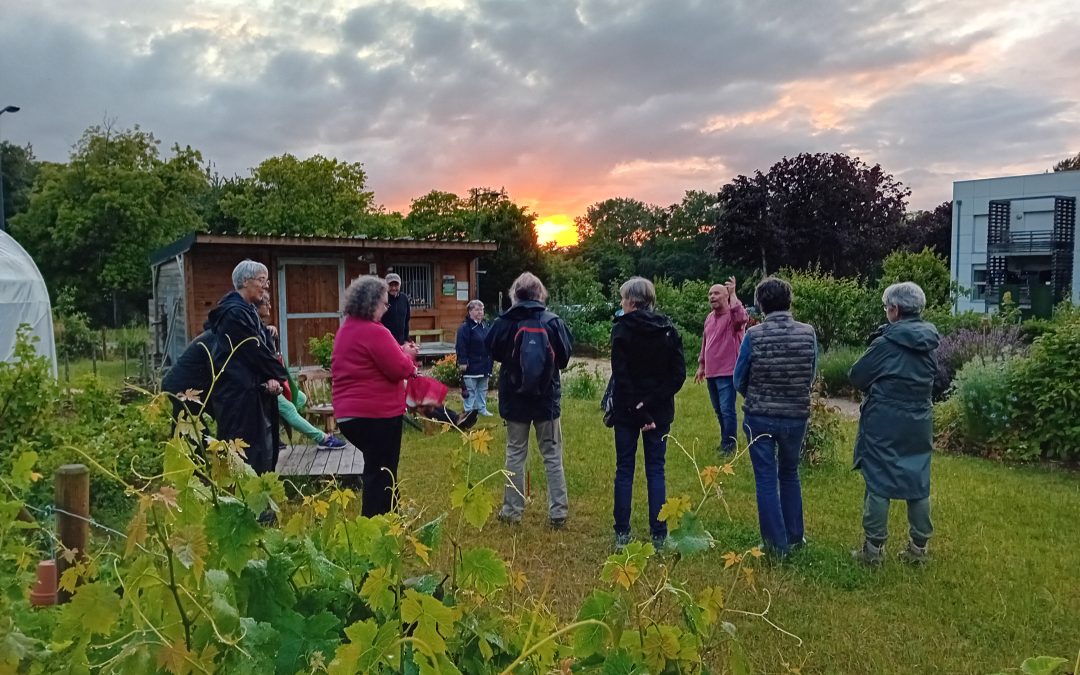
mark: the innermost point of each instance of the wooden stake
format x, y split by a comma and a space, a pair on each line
72, 497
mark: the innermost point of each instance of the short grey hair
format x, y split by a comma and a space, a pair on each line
639, 291
906, 296
363, 296
528, 287
245, 271
473, 303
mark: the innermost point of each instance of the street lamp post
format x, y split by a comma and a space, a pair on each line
3, 216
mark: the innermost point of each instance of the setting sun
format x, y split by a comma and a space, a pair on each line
558, 228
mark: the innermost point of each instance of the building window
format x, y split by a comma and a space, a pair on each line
978, 282
416, 282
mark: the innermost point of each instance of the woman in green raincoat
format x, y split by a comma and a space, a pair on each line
895, 439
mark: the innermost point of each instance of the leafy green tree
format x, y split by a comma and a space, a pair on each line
19, 168
675, 250
91, 223
317, 196
826, 210
1069, 164
438, 215
925, 268
612, 233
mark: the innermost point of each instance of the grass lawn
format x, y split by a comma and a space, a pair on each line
1003, 584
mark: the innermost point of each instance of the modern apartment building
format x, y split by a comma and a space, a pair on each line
1018, 235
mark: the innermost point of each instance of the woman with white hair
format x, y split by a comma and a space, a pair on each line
895, 438
245, 394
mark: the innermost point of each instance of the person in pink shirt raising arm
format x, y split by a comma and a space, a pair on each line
724, 328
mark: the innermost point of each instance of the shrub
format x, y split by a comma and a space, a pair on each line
446, 371
130, 340
986, 404
988, 342
321, 349
824, 433
1046, 388
926, 268
833, 367
581, 384
842, 311
948, 323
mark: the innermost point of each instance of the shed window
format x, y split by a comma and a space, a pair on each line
416, 282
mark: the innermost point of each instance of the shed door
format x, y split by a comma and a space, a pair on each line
309, 298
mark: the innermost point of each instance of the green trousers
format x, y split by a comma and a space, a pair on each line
875, 519
290, 414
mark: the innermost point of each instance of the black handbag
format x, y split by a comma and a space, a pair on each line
607, 403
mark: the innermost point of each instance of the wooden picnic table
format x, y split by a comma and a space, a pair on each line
309, 460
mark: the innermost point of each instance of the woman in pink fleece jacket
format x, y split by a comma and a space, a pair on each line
369, 369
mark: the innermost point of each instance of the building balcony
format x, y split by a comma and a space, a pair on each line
1039, 242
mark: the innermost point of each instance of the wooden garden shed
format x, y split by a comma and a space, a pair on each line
308, 279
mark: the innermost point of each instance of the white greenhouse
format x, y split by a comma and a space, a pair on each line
23, 299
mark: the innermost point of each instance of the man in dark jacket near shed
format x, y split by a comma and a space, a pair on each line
540, 410
246, 391
896, 423
398, 313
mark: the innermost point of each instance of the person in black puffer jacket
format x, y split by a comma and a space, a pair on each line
473, 358
647, 370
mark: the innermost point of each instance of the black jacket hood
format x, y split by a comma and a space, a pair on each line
523, 310
644, 321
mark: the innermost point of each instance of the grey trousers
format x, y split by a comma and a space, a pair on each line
549, 438
876, 519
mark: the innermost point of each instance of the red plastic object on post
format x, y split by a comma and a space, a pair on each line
44, 591
424, 391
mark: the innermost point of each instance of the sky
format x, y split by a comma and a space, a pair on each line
563, 103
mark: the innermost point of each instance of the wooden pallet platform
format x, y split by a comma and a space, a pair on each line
308, 460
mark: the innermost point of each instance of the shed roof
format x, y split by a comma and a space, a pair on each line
359, 242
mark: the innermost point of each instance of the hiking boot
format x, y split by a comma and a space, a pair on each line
332, 442
558, 523
621, 541
869, 554
914, 555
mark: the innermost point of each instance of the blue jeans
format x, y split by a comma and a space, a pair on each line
775, 447
722, 395
475, 394
626, 440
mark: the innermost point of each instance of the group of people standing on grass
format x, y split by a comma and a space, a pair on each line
772, 365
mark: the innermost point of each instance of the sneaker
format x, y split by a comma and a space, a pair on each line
508, 520
558, 523
869, 554
914, 555
332, 442
621, 541
467, 420
485, 413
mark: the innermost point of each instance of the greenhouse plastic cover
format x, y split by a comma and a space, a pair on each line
23, 299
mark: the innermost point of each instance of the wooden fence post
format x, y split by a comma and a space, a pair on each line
72, 496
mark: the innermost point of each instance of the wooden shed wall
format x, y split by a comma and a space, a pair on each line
210, 268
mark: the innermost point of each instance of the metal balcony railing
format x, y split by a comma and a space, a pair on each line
1041, 241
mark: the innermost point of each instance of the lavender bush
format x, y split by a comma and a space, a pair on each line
989, 342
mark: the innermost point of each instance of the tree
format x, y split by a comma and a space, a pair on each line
612, 232
19, 169
91, 223
931, 229
674, 251
486, 214
826, 210
318, 196
1069, 164
927, 269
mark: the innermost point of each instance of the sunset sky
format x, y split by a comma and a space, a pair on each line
561, 102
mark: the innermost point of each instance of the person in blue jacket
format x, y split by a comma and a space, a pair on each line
473, 358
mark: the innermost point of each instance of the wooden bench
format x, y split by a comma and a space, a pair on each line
418, 336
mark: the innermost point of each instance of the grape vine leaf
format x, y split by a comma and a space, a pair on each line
589, 640
93, 609
434, 621
691, 536
483, 570
234, 531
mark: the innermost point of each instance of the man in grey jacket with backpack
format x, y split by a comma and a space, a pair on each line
533, 345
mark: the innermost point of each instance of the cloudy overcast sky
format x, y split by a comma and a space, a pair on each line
562, 102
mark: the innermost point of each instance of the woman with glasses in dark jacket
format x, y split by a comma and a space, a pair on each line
647, 370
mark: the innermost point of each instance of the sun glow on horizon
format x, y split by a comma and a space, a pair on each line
558, 228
